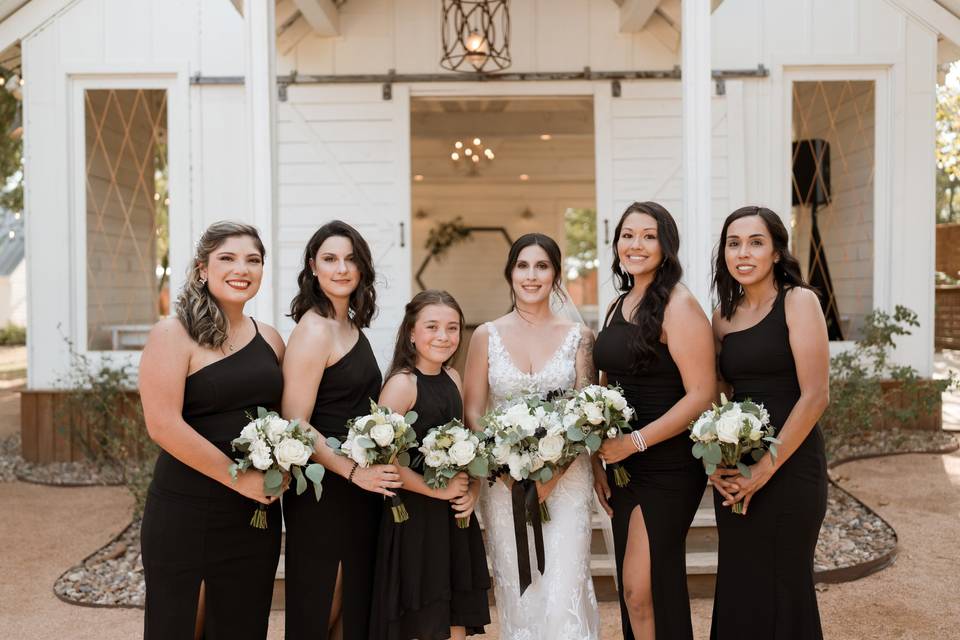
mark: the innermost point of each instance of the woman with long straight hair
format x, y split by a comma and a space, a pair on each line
202, 374
330, 375
534, 350
774, 351
656, 345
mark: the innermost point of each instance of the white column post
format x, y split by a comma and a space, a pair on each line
260, 81
695, 228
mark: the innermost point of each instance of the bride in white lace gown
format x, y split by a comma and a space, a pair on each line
533, 350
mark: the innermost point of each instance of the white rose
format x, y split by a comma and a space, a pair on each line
382, 434
518, 463
429, 441
249, 432
459, 434
291, 451
594, 412
570, 418
614, 399
501, 453
702, 429
528, 425
260, 455
275, 428
756, 428
764, 415
462, 452
628, 413
515, 414
728, 427
553, 425
536, 462
435, 458
612, 432
551, 447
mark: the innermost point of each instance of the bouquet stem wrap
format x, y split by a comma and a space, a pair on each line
526, 507
259, 519
399, 509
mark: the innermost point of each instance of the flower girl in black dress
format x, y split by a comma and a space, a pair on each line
201, 375
330, 375
431, 577
774, 351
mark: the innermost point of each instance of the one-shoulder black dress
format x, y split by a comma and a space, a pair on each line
770, 550
340, 529
666, 481
197, 529
431, 575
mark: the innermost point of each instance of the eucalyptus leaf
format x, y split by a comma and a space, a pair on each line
301, 481
593, 442
744, 469
315, 472
713, 454
364, 442
333, 443
574, 434
272, 479
710, 468
546, 474
756, 454
403, 459
410, 417
233, 471
698, 449
478, 467
261, 413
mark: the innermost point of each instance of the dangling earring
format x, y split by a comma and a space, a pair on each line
203, 281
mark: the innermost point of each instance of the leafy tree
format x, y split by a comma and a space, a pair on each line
948, 153
581, 229
11, 146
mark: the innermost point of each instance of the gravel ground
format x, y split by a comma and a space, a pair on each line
64, 474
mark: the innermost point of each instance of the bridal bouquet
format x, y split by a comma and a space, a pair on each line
723, 434
451, 449
591, 415
527, 437
381, 437
276, 446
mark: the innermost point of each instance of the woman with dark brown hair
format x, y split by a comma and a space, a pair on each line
202, 374
774, 351
331, 375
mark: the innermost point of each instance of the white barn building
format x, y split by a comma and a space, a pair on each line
146, 120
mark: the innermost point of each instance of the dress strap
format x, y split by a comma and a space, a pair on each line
256, 327
613, 308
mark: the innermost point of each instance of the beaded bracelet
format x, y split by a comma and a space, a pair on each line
638, 441
352, 471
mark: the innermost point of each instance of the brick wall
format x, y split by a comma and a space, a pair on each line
948, 248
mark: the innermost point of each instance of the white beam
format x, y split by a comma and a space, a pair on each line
238, 5
322, 16
697, 133
292, 35
635, 13
260, 87
28, 18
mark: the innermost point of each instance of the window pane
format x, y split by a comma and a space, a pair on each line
127, 204
833, 169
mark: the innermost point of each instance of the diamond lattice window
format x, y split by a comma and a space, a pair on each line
833, 214
127, 205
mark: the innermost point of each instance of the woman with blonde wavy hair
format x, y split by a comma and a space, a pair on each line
201, 374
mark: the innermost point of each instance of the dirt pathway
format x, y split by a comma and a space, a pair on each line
45, 530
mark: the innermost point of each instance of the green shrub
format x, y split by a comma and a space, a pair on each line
107, 419
13, 335
857, 399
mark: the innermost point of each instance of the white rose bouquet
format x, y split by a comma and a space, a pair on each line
723, 434
450, 449
381, 437
591, 415
527, 441
276, 446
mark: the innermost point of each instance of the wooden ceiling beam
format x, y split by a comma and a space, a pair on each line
322, 15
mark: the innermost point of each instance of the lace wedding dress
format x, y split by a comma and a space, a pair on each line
561, 604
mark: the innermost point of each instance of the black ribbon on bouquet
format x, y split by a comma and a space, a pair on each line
526, 508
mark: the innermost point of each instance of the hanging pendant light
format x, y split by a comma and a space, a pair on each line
476, 32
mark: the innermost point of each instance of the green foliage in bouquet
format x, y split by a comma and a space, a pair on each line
857, 398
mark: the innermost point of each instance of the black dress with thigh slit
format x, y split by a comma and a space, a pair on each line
769, 551
197, 529
431, 575
666, 481
340, 529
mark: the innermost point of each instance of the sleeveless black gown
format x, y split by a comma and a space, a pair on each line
196, 529
666, 481
771, 548
431, 575
342, 527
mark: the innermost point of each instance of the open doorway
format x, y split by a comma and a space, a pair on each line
488, 170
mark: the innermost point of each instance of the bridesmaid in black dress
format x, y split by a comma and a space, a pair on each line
330, 375
431, 578
201, 375
774, 351
656, 345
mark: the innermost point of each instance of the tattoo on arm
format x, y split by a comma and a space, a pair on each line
586, 373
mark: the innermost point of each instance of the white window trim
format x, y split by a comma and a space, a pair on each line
882, 184
176, 83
